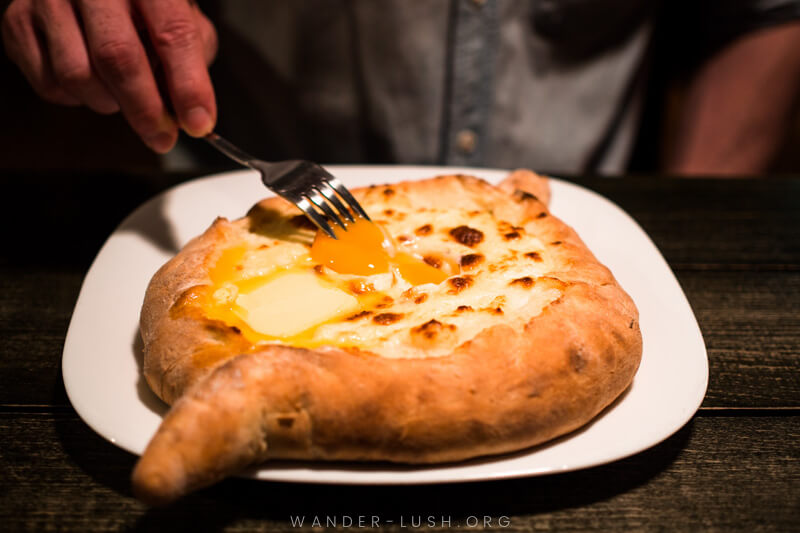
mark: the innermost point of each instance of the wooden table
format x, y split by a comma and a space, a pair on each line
734, 246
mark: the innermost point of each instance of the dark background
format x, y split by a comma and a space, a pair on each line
36, 135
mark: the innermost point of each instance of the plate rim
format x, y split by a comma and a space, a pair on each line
402, 477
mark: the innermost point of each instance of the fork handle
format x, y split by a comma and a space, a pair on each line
230, 150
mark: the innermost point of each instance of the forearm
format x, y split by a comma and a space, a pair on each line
739, 105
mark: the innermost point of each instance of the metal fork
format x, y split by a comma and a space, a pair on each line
318, 194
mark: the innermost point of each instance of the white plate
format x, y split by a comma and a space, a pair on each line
102, 353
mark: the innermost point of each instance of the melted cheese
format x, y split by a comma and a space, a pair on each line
294, 292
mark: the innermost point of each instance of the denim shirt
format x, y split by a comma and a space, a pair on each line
554, 85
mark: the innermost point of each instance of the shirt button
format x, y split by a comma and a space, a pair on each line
466, 141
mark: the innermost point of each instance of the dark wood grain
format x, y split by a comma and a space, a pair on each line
723, 473
751, 327
713, 223
35, 309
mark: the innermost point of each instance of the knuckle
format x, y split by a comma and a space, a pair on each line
177, 33
13, 19
119, 60
72, 75
192, 92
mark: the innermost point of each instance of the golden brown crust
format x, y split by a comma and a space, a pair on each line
504, 390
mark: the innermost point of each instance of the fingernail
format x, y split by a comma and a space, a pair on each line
197, 121
160, 142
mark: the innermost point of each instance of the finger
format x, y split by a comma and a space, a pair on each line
26, 50
177, 39
119, 58
69, 58
208, 35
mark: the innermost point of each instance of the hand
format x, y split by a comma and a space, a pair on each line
91, 52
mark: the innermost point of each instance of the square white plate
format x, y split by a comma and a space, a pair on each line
102, 352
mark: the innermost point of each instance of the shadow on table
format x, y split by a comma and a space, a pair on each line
151, 222
244, 500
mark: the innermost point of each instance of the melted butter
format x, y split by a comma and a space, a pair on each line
290, 303
287, 305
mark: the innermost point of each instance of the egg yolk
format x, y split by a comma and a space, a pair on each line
363, 250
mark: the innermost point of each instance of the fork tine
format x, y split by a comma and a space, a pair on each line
329, 193
319, 200
305, 184
347, 197
307, 208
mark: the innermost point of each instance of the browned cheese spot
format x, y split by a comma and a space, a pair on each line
466, 235
239, 267
360, 286
263, 247
404, 238
384, 319
535, 256
555, 243
425, 229
319, 270
541, 215
459, 284
432, 260
302, 222
464, 308
510, 236
431, 329
630, 326
236, 330
385, 302
388, 212
360, 314
471, 260
497, 310
526, 282
421, 298
505, 227
388, 191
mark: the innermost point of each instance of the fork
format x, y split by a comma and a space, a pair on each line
318, 194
